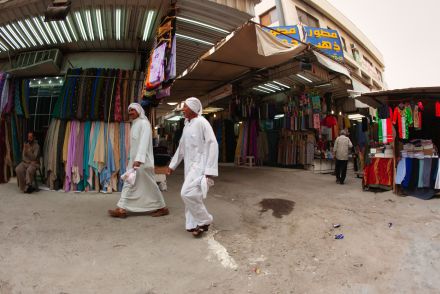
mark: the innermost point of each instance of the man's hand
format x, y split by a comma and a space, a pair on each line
169, 171
137, 164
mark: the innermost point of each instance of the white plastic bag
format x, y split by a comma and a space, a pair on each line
129, 176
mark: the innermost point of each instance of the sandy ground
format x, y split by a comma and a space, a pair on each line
54, 242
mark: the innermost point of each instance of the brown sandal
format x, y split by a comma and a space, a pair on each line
118, 212
199, 230
160, 212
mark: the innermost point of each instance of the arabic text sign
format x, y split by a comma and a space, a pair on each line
326, 40
282, 33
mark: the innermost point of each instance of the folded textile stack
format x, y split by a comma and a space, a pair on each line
418, 149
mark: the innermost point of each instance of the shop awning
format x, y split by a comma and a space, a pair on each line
375, 99
236, 56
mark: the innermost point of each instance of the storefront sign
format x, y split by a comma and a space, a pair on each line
326, 40
287, 34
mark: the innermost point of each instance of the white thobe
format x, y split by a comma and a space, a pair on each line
198, 148
144, 195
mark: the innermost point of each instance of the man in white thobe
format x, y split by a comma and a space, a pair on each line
198, 148
144, 195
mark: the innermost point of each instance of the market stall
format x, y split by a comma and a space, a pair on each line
405, 155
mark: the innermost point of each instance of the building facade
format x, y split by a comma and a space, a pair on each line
364, 60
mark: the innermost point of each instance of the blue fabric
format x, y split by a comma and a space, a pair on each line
110, 167
95, 87
93, 164
83, 183
408, 166
18, 108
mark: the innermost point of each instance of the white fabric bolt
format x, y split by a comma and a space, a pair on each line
195, 105
139, 110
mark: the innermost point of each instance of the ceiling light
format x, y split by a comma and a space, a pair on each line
57, 78
51, 35
267, 92
323, 85
81, 25
194, 39
40, 29
281, 84
5, 35
175, 118
57, 31
61, 81
3, 46
15, 35
118, 24
21, 35
26, 33
69, 23
28, 22
148, 25
172, 103
201, 24
304, 78
89, 25
99, 22
50, 82
66, 32
278, 116
267, 89
39, 82
273, 87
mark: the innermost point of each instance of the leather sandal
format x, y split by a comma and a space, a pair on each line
118, 212
160, 212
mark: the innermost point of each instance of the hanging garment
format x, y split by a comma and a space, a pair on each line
437, 181
401, 171
403, 118
156, 71
437, 108
417, 115
385, 126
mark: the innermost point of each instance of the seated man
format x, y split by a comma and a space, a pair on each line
30, 162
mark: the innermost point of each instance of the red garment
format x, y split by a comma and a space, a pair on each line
379, 173
330, 121
437, 109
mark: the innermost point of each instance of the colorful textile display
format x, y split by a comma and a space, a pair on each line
296, 147
379, 173
403, 118
98, 94
82, 156
417, 115
385, 127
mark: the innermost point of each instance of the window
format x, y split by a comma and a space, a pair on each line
344, 45
269, 17
41, 104
307, 19
368, 61
355, 52
379, 74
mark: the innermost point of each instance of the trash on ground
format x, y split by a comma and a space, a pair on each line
336, 225
339, 236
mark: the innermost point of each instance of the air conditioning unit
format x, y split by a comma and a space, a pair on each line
37, 63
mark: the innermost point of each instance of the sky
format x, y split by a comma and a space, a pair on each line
406, 32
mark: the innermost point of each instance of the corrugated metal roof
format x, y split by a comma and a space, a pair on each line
106, 25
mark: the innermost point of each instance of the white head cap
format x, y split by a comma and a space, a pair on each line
195, 105
139, 110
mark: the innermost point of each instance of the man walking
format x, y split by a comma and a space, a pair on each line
199, 149
30, 162
341, 149
144, 195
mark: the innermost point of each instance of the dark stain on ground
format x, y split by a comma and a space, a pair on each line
279, 207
